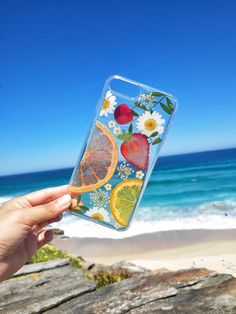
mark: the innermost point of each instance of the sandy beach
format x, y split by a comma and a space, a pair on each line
173, 250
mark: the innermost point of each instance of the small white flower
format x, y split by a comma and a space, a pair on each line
108, 104
99, 214
124, 171
146, 98
117, 130
139, 175
108, 186
111, 124
99, 198
148, 123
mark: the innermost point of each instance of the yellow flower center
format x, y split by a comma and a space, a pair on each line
105, 104
150, 124
98, 216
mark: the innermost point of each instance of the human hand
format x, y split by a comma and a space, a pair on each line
21, 222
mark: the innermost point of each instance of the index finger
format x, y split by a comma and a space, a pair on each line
39, 197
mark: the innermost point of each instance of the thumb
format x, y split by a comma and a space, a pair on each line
35, 215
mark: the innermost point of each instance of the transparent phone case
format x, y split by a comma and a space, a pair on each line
119, 153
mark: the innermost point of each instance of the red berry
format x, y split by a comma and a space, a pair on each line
123, 114
136, 151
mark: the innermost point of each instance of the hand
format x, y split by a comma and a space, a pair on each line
21, 222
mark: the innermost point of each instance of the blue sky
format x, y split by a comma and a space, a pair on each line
56, 55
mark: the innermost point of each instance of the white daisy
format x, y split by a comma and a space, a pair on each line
99, 214
148, 123
139, 175
117, 130
108, 186
108, 104
111, 124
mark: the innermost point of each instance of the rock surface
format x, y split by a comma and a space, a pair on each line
62, 289
128, 267
40, 291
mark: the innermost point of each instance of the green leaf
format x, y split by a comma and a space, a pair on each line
141, 106
83, 207
157, 141
157, 94
128, 136
135, 113
78, 199
120, 137
130, 128
170, 105
151, 111
154, 134
166, 108
124, 136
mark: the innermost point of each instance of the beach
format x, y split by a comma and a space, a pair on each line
172, 250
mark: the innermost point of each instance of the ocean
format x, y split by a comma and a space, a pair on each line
187, 191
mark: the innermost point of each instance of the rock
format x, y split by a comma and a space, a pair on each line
122, 266
40, 291
38, 267
63, 289
63, 237
130, 267
57, 231
188, 291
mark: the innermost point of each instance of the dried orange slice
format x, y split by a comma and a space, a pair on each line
123, 199
98, 163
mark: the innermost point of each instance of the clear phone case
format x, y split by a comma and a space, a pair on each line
120, 153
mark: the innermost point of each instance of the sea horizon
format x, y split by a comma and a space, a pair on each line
160, 157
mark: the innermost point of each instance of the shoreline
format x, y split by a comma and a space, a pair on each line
173, 250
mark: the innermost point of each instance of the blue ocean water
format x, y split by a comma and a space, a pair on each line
196, 189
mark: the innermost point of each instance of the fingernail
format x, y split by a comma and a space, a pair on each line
64, 200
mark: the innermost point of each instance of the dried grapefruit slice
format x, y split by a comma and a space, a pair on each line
123, 200
98, 163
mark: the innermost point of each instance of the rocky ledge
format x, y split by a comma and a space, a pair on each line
55, 287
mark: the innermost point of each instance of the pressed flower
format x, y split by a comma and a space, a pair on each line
139, 175
124, 171
148, 123
147, 99
108, 186
117, 130
111, 124
99, 198
99, 214
108, 104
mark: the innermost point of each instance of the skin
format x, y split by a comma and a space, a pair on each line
22, 222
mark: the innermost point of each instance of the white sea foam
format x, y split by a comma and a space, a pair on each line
75, 227
210, 215
150, 213
4, 199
